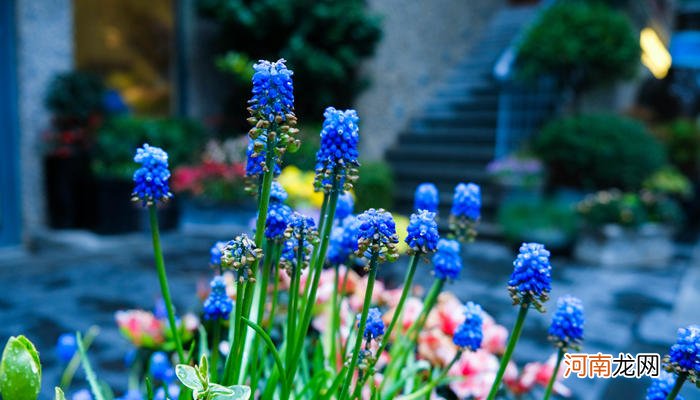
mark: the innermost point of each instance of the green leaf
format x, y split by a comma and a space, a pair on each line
238, 392
189, 377
95, 386
20, 370
59, 394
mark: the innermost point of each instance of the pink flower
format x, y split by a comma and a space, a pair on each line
536, 373
477, 370
411, 309
358, 296
436, 347
140, 327
495, 335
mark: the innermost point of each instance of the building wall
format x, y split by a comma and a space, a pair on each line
44, 47
421, 41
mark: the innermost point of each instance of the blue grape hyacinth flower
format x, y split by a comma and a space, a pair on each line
132, 394
218, 305
277, 193
256, 163
215, 253
374, 327
566, 330
660, 387
151, 179
343, 241
531, 280
160, 367
469, 333
345, 206
278, 217
447, 261
239, 254
426, 197
466, 210
377, 235
684, 356
300, 236
422, 233
66, 346
336, 158
273, 91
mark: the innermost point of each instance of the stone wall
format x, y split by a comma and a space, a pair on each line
422, 40
44, 47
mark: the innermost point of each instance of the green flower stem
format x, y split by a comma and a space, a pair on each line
229, 372
275, 289
335, 317
95, 386
317, 267
361, 328
163, 279
403, 348
550, 384
408, 283
292, 311
74, 363
324, 210
271, 347
512, 341
425, 390
680, 380
216, 338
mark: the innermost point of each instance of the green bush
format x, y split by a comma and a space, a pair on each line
629, 209
682, 139
545, 221
323, 42
119, 137
75, 95
305, 157
583, 44
375, 187
599, 152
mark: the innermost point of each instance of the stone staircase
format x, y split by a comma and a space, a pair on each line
453, 138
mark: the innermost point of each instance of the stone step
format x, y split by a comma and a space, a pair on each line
445, 172
447, 135
456, 119
440, 152
480, 103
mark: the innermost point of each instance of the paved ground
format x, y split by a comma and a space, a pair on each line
63, 286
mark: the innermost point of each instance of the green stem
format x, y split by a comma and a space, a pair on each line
275, 289
512, 341
425, 390
362, 325
270, 250
553, 379
292, 314
271, 347
216, 338
95, 386
335, 318
317, 267
680, 380
163, 279
74, 363
229, 369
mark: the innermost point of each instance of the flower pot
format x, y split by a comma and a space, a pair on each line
648, 245
70, 194
115, 212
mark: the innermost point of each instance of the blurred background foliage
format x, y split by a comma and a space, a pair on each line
323, 42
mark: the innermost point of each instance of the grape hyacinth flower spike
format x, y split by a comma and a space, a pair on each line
426, 198
278, 218
662, 386
346, 204
469, 335
239, 255
215, 253
377, 239
336, 159
683, 358
422, 233
529, 284
374, 328
277, 193
447, 262
299, 239
151, 179
466, 211
150, 188
566, 332
218, 305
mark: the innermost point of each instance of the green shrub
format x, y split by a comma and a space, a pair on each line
323, 42
119, 137
375, 187
545, 221
629, 209
583, 44
75, 95
599, 152
682, 139
305, 157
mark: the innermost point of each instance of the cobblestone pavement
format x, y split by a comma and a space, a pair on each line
77, 280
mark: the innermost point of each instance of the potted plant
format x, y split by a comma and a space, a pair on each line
75, 102
517, 177
621, 228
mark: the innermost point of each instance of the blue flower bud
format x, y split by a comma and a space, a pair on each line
66, 347
240, 253
469, 333
277, 193
374, 327
345, 206
218, 305
377, 235
151, 179
447, 262
466, 211
426, 198
660, 387
160, 367
531, 279
336, 158
566, 330
684, 356
300, 236
422, 232
215, 253
278, 216
273, 91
